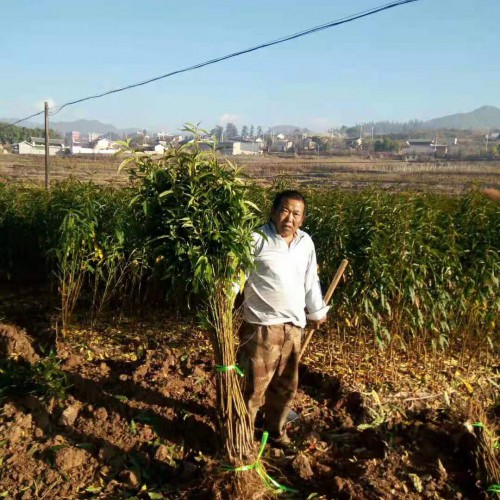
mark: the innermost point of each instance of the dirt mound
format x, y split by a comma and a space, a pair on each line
15, 343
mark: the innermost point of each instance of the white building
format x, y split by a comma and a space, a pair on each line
423, 147
98, 146
36, 146
239, 148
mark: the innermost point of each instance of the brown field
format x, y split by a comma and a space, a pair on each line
349, 172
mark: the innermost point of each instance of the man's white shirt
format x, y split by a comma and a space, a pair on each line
284, 282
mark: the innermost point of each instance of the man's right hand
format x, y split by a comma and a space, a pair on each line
315, 324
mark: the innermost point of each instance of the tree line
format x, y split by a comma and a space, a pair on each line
231, 132
10, 134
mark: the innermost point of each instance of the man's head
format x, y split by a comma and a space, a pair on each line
288, 212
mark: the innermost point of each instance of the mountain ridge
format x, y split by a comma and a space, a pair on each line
483, 118
480, 118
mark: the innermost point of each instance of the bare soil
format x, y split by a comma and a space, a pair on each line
138, 422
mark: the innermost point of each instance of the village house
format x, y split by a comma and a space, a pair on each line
308, 143
235, 148
355, 142
99, 145
72, 138
416, 147
281, 146
166, 140
36, 146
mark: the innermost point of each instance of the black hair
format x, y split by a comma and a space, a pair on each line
290, 194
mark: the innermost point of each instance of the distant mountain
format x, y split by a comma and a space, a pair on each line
484, 117
86, 126
82, 126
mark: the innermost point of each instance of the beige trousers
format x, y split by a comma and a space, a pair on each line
269, 358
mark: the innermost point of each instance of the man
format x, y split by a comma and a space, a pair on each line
284, 283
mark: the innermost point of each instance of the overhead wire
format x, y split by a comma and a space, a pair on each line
22, 120
215, 60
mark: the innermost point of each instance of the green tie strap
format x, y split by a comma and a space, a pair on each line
227, 368
261, 471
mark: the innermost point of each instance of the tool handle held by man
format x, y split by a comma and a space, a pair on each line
328, 296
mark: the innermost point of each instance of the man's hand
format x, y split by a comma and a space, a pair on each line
315, 324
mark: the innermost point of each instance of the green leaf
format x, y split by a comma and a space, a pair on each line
93, 489
155, 496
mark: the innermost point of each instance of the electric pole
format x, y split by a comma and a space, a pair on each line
47, 150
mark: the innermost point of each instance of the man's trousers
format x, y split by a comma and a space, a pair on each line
269, 358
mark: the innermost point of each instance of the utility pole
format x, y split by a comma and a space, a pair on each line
47, 150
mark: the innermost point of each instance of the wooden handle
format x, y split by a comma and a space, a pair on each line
328, 296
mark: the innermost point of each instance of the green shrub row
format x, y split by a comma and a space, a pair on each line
421, 265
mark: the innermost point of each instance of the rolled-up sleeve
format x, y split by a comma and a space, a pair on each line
315, 304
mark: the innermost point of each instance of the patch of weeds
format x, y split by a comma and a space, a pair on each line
43, 378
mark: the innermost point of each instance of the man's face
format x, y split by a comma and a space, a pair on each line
288, 217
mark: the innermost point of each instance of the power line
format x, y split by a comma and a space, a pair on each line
284, 39
22, 119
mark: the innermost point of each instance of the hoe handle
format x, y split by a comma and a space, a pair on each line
328, 296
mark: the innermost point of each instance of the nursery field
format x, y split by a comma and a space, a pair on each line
115, 313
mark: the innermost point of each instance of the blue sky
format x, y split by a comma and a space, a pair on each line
422, 60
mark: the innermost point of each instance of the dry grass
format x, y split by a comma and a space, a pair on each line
349, 172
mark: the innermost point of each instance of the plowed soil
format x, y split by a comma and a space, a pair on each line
138, 422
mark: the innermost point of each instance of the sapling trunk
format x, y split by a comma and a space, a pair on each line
234, 424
